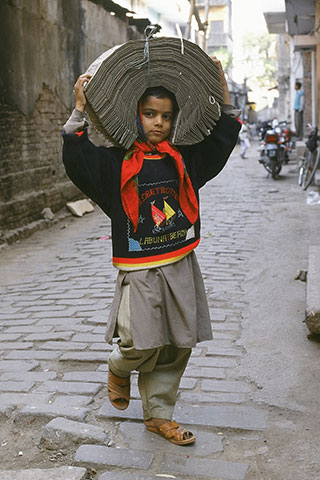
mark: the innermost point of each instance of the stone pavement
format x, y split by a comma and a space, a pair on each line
56, 289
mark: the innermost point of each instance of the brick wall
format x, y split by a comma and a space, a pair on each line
44, 47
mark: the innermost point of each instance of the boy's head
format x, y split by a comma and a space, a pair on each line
157, 109
297, 85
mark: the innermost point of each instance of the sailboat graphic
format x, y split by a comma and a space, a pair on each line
161, 216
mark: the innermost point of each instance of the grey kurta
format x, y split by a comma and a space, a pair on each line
168, 305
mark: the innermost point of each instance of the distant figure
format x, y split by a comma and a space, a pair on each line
298, 110
244, 137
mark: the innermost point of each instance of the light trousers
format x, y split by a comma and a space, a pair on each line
160, 369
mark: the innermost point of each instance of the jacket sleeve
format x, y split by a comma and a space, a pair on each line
206, 159
89, 168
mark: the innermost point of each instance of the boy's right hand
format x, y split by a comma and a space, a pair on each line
78, 91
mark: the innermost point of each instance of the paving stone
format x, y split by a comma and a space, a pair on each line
70, 387
16, 345
58, 473
225, 386
42, 337
76, 327
204, 468
8, 337
64, 433
72, 401
85, 357
52, 411
99, 377
28, 329
136, 434
60, 321
24, 398
64, 346
19, 319
33, 355
218, 362
65, 313
98, 320
105, 347
28, 376
205, 372
188, 383
196, 398
98, 456
133, 412
15, 386
132, 476
241, 417
86, 337
225, 352
12, 365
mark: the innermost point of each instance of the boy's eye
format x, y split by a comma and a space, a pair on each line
167, 117
148, 114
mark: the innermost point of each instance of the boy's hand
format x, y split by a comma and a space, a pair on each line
78, 91
224, 84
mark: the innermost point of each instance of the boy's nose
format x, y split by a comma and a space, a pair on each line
158, 120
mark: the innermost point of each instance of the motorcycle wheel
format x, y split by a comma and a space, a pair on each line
276, 169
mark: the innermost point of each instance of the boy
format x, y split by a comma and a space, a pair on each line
151, 195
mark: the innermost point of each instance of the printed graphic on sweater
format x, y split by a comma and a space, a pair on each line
162, 223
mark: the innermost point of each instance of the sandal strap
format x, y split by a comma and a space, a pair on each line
118, 387
174, 430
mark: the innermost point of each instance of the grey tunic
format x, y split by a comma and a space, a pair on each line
168, 305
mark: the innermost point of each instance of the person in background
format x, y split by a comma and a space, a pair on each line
298, 110
244, 137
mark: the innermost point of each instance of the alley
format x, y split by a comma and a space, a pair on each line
250, 395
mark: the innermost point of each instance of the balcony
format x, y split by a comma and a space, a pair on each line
217, 40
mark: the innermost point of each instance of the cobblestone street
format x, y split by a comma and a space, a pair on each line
249, 394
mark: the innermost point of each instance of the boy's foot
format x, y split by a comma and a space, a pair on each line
118, 391
170, 430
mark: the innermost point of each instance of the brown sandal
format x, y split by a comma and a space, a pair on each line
118, 391
173, 432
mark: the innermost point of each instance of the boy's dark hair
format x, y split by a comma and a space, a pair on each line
299, 84
160, 92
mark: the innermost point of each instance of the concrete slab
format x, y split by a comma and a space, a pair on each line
60, 473
98, 456
136, 434
64, 433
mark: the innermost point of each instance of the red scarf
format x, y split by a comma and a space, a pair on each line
131, 166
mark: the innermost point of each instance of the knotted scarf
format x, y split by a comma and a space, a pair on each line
131, 166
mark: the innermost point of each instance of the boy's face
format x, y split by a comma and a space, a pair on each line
156, 117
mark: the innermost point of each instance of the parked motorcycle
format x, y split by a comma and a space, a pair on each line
271, 152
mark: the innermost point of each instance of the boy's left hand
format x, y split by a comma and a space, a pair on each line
224, 84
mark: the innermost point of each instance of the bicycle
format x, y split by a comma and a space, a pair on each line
310, 160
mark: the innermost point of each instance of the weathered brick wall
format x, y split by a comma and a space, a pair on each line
45, 45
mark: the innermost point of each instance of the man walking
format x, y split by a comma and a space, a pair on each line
298, 110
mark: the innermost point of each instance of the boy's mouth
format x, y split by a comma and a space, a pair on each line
156, 132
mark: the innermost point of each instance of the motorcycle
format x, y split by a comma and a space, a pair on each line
271, 152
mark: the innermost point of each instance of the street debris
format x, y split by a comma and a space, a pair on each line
313, 198
301, 275
80, 207
164, 475
47, 214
